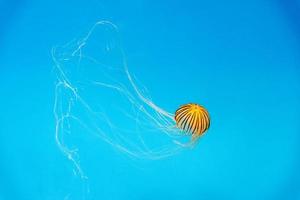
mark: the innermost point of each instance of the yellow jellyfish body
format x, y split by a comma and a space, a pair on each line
193, 119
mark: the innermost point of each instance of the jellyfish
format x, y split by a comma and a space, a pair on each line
192, 119
97, 99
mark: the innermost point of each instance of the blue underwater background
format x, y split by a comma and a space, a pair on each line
240, 59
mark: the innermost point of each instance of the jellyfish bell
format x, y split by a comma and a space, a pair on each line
192, 119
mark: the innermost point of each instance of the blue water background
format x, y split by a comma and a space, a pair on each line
238, 58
